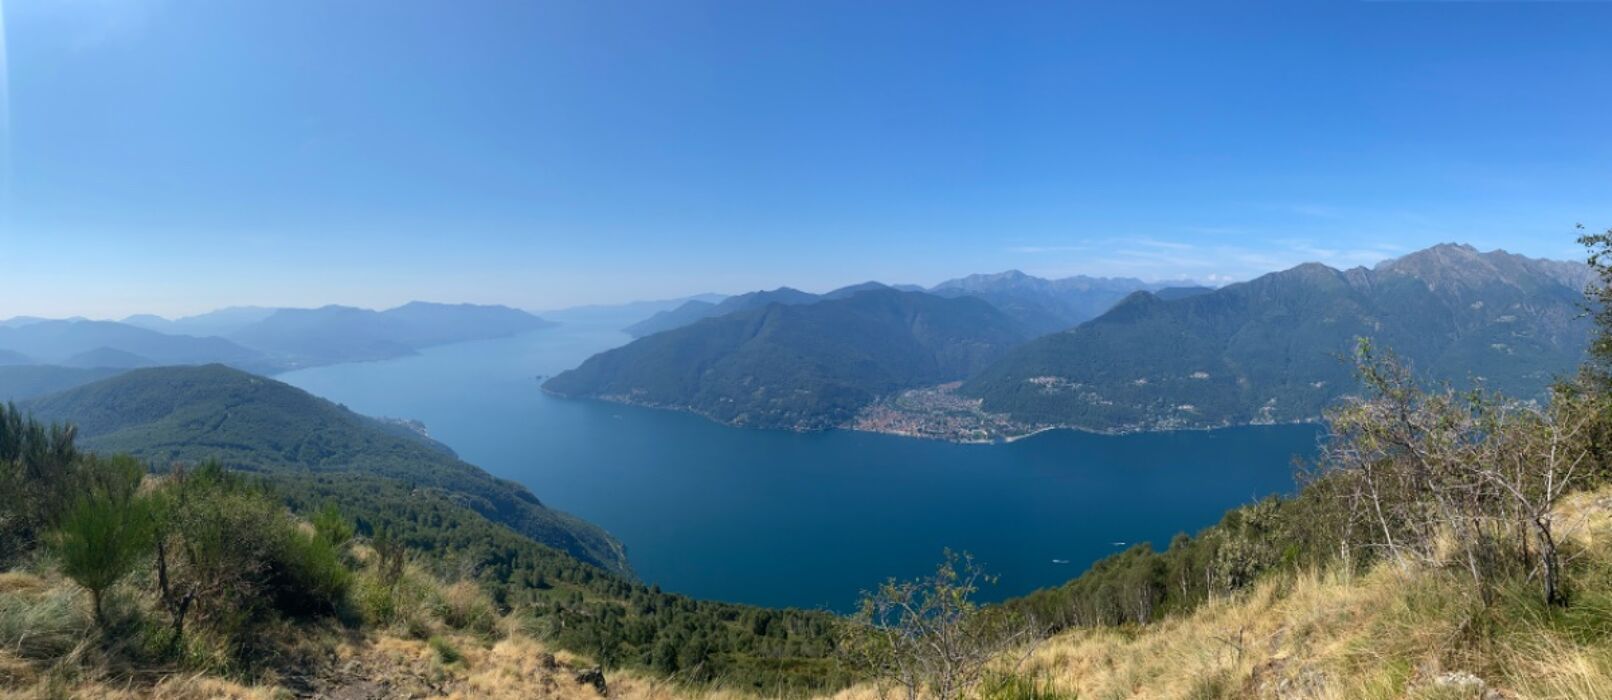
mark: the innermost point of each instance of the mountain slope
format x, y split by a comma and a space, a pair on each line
696, 310
430, 324
190, 414
1043, 305
1268, 349
20, 382
108, 357
800, 366
332, 334
220, 322
58, 341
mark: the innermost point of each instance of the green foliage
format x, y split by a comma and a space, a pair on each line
36, 462
107, 529
191, 414
929, 637
446, 652
806, 366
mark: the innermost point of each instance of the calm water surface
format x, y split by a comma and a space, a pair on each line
784, 519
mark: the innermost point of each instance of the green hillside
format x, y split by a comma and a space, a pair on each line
807, 366
1270, 349
190, 414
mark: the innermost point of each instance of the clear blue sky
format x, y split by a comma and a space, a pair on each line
177, 156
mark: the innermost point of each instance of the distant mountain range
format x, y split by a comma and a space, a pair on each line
1134, 355
697, 309
1048, 305
221, 322
258, 339
73, 342
189, 414
622, 315
800, 365
1039, 305
1272, 349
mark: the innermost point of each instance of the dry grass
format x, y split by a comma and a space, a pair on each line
1390, 634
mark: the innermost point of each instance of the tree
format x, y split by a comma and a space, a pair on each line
1428, 469
929, 636
107, 529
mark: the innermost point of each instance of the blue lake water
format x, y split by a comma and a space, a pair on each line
808, 520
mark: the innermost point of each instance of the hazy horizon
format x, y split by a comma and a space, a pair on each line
172, 159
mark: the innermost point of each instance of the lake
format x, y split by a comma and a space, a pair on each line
808, 520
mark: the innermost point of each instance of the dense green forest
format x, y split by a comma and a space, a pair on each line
189, 414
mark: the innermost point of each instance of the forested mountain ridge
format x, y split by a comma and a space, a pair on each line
1268, 350
190, 414
696, 309
800, 366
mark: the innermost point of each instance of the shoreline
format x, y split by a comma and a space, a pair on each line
996, 440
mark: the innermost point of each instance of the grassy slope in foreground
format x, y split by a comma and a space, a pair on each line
1391, 633
190, 414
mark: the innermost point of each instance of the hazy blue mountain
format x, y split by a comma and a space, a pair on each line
623, 315
220, 322
695, 310
109, 357
331, 334
189, 414
853, 290
800, 366
19, 382
1046, 305
56, 342
1173, 293
687, 313
10, 357
1272, 349
18, 321
439, 324
326, 335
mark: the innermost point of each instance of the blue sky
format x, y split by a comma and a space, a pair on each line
178, 156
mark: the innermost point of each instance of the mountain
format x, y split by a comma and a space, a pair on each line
1044, 305
696, 310
800, 366
622, 315
56, 342
19, 321
190, 414
9, 357
220, 322
109, 357
20, 382
1272, 349
332, 334
429, 324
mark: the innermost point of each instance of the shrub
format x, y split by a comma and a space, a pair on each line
446, 652
107, 529
465, 606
